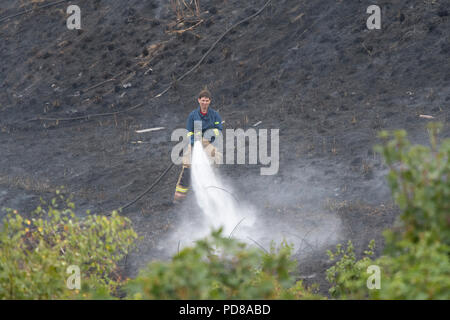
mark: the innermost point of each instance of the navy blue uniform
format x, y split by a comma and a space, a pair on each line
211, 120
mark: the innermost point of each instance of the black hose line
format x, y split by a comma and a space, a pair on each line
148, 189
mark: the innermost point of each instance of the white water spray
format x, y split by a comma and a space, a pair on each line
219, 205
307, 231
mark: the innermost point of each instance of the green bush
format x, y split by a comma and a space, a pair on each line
418, 271
348, 274
415, 264
221, 268
419, 178
35, 253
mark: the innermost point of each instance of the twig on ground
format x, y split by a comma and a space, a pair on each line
235, 227
258, 244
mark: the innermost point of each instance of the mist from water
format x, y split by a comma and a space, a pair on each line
215, 203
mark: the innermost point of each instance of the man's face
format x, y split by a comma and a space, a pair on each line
204, 103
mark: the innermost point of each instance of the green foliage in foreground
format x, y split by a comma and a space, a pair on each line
221, 268
416, 263
35, 253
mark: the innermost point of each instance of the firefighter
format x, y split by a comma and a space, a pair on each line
210, 119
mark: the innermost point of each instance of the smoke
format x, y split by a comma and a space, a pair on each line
253, 216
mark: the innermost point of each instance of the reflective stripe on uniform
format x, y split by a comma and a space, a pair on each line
217, 122
216, 131
190, 134
182, 190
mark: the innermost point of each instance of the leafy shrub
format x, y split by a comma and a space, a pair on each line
35, 253
348, 274
220, 268
416, 263
419, 178
421, 271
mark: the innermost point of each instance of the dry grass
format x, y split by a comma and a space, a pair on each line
91, 194
150, 53
27, 183
37, 186
24, 3
187, 16
125, 136
333, 147
33, 4
334, 205
367, 167
343, 207
185, 8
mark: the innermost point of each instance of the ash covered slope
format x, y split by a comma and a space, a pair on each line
309, 68
319, 53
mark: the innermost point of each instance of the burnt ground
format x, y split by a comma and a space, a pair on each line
308, 68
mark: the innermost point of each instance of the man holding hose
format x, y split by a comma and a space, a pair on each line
210, 119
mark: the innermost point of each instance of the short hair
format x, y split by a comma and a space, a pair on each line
204, 94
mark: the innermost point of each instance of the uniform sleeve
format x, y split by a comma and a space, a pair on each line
218, 122
190, 127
